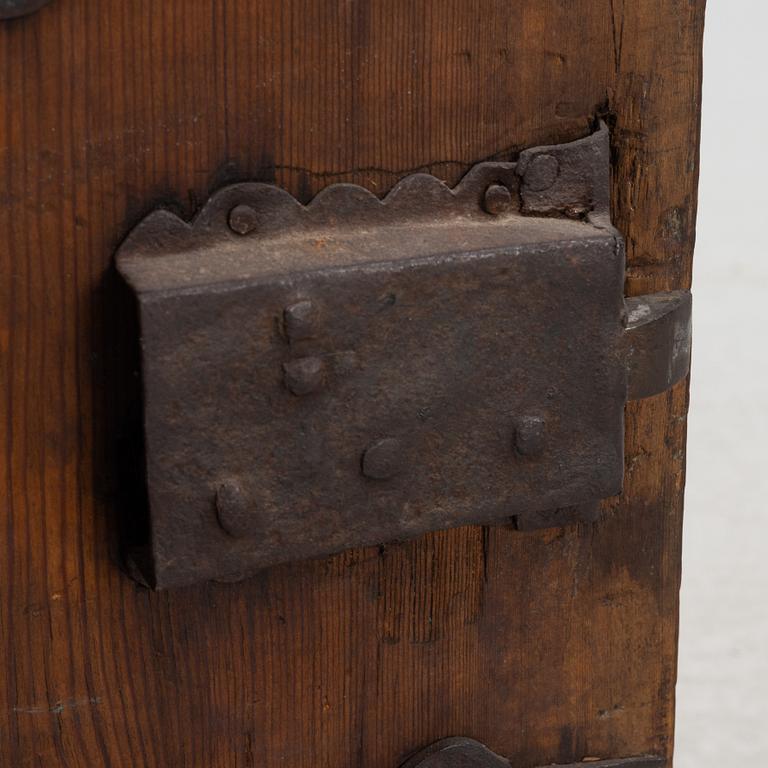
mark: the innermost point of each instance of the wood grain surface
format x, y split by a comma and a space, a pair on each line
549, 646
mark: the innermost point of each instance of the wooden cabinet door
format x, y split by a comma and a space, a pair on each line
550, 646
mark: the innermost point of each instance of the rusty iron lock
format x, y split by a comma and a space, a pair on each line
358, 371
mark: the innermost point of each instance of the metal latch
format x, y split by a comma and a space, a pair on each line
358, 371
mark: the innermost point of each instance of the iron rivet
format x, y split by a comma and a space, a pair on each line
541, 172
576, 211
232, 509
383, 459
299, 320
529, 436
304, 375
243, 219
498, 199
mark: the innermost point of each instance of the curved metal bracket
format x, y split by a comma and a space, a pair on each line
457, 752
357, 370
13, 9
468, 753
659, 342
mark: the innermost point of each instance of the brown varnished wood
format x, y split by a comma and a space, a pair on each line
548, 646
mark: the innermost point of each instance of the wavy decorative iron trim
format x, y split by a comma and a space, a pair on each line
567, 180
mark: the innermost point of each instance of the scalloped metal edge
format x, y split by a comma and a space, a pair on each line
579, 190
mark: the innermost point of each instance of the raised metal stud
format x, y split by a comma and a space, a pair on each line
497, 199
541, 173
383, 459
304, 375
243, 219
529, 436
299, 320
232, 508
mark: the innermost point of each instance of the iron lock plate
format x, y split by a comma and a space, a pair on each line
358, 371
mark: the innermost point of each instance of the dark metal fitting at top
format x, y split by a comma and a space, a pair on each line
460, 752
14, 9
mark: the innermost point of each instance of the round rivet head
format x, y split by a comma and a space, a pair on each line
243, 219
304, 375
541, 173
497, 199
529, 436
232, 508
383, 459
576, 211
